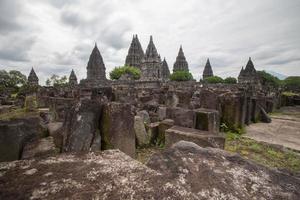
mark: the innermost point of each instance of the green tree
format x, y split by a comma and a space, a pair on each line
292, 83
267, 79
230, 80
10, 82
57, 81
117, 72
213, 80
181, 76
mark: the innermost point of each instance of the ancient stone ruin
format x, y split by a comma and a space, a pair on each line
81, 140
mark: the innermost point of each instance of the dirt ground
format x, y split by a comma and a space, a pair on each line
283, 130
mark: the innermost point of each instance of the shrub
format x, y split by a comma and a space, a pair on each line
117, 72
213, 80
230, 80
181, 76
268, 79
292, 83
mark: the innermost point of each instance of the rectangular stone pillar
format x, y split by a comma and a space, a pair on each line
207, 120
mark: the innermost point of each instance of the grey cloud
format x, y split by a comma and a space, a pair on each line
61, 3
10, 11
15, 48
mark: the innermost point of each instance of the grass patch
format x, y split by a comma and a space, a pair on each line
289, 94
263, 153
18, 113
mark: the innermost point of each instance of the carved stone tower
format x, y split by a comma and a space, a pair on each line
181, 64
33, 80
151, 64
96, 67
207, 72
165, 72
73, 79
135, 53
248, 75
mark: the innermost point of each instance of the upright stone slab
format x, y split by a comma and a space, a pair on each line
81, 126
201, 138
117, 128
207, 120
141, 135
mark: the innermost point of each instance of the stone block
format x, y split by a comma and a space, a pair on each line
117, 128
163, 126
207, 120
162, 113
182, 117
201, 138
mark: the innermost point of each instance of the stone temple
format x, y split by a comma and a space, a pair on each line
32, 78
73, 79
248, 75
135, 53
207, 72
180, 64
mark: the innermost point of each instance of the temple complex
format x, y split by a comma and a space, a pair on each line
207, 72
165, 72
180, 64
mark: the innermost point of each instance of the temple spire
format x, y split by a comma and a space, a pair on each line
181, 64
207, 72
135, 53
95, 67
165, 72
151, 52
73, 78
32, 78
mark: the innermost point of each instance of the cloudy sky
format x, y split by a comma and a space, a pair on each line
55, 36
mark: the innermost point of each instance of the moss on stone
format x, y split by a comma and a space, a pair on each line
30, 104
105, 128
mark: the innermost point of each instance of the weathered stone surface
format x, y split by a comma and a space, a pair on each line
14, 134
117, 128
181, 64
152, 132
210, 173
207, 120
81, 126
201, 138
55, 130
182, 117
163, 126
264, 117
108, 175
162, 113
207, 72
145, 116
141, 135
40, 148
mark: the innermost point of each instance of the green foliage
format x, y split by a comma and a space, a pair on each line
268, 79
292, 83
181, 76
213, 80
11, 81
117, 72
262, 153
230, 80
57, 81
18, 113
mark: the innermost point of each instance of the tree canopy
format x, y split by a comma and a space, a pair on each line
57, 81
11, 81
181, 76
292, 83
117, 72
213, 80
230, 80
268, 79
